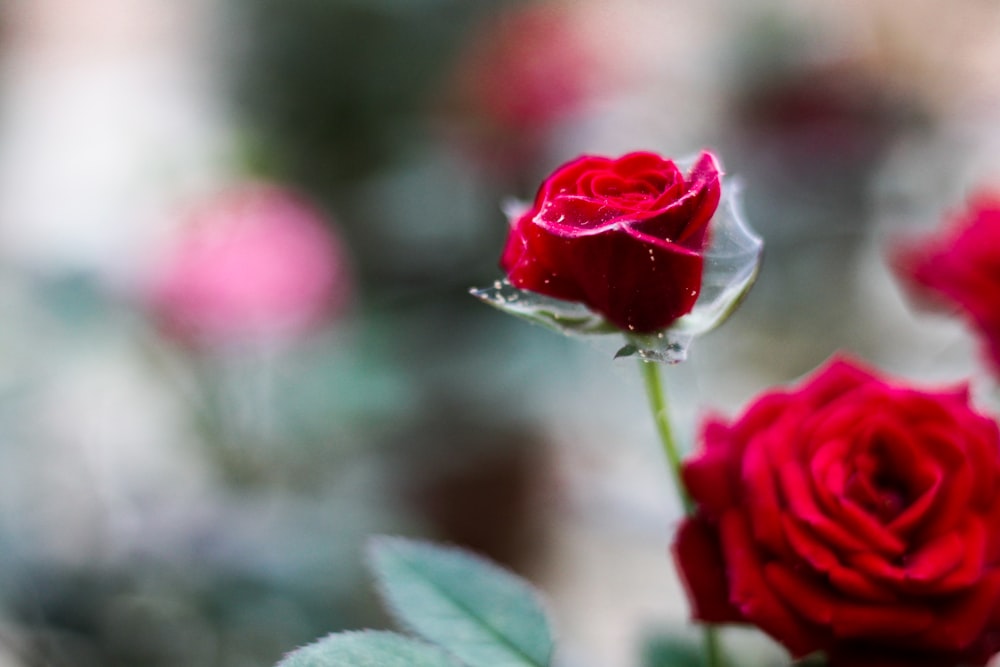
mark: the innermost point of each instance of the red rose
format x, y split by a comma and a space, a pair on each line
960, 269
625, 237
854, 516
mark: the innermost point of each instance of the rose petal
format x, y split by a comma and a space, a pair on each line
805, 544
530, 267
911, 518
762, 502
571, 217
708, 476
751, 594
880, 622
799, 499
565, 179
639, 284
878, 568
807, 597
762, 415
991, 528
640, 161
970, 570
861, 654
699, 559
951, 576
833, 381
863, 525
951, 503
960, 621
828, 471
981, 452
683, 219
858, 585
936, 558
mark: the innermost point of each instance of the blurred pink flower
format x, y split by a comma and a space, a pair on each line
254, 263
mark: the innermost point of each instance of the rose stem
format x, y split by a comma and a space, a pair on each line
661, 415
710, 639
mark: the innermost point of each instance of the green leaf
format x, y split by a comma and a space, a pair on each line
626, 351
479, 612
368, 649
672, 651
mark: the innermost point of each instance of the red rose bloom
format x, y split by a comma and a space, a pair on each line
959, 269
625, 237
854, 516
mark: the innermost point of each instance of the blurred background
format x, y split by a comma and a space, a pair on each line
236, 239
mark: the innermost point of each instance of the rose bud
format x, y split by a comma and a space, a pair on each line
623, 236
958, 270
252, 264
850, 515
636, 244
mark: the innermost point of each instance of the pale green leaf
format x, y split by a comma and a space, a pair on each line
368, 649
479, 612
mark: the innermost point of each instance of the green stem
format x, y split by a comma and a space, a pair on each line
713, 652
661, 415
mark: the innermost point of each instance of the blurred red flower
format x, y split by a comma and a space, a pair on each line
958, 269
521, 74
851, 515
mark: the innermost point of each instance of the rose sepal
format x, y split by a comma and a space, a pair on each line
731, 262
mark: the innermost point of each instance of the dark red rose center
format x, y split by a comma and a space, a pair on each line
879, 483
881, 495
615, 186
